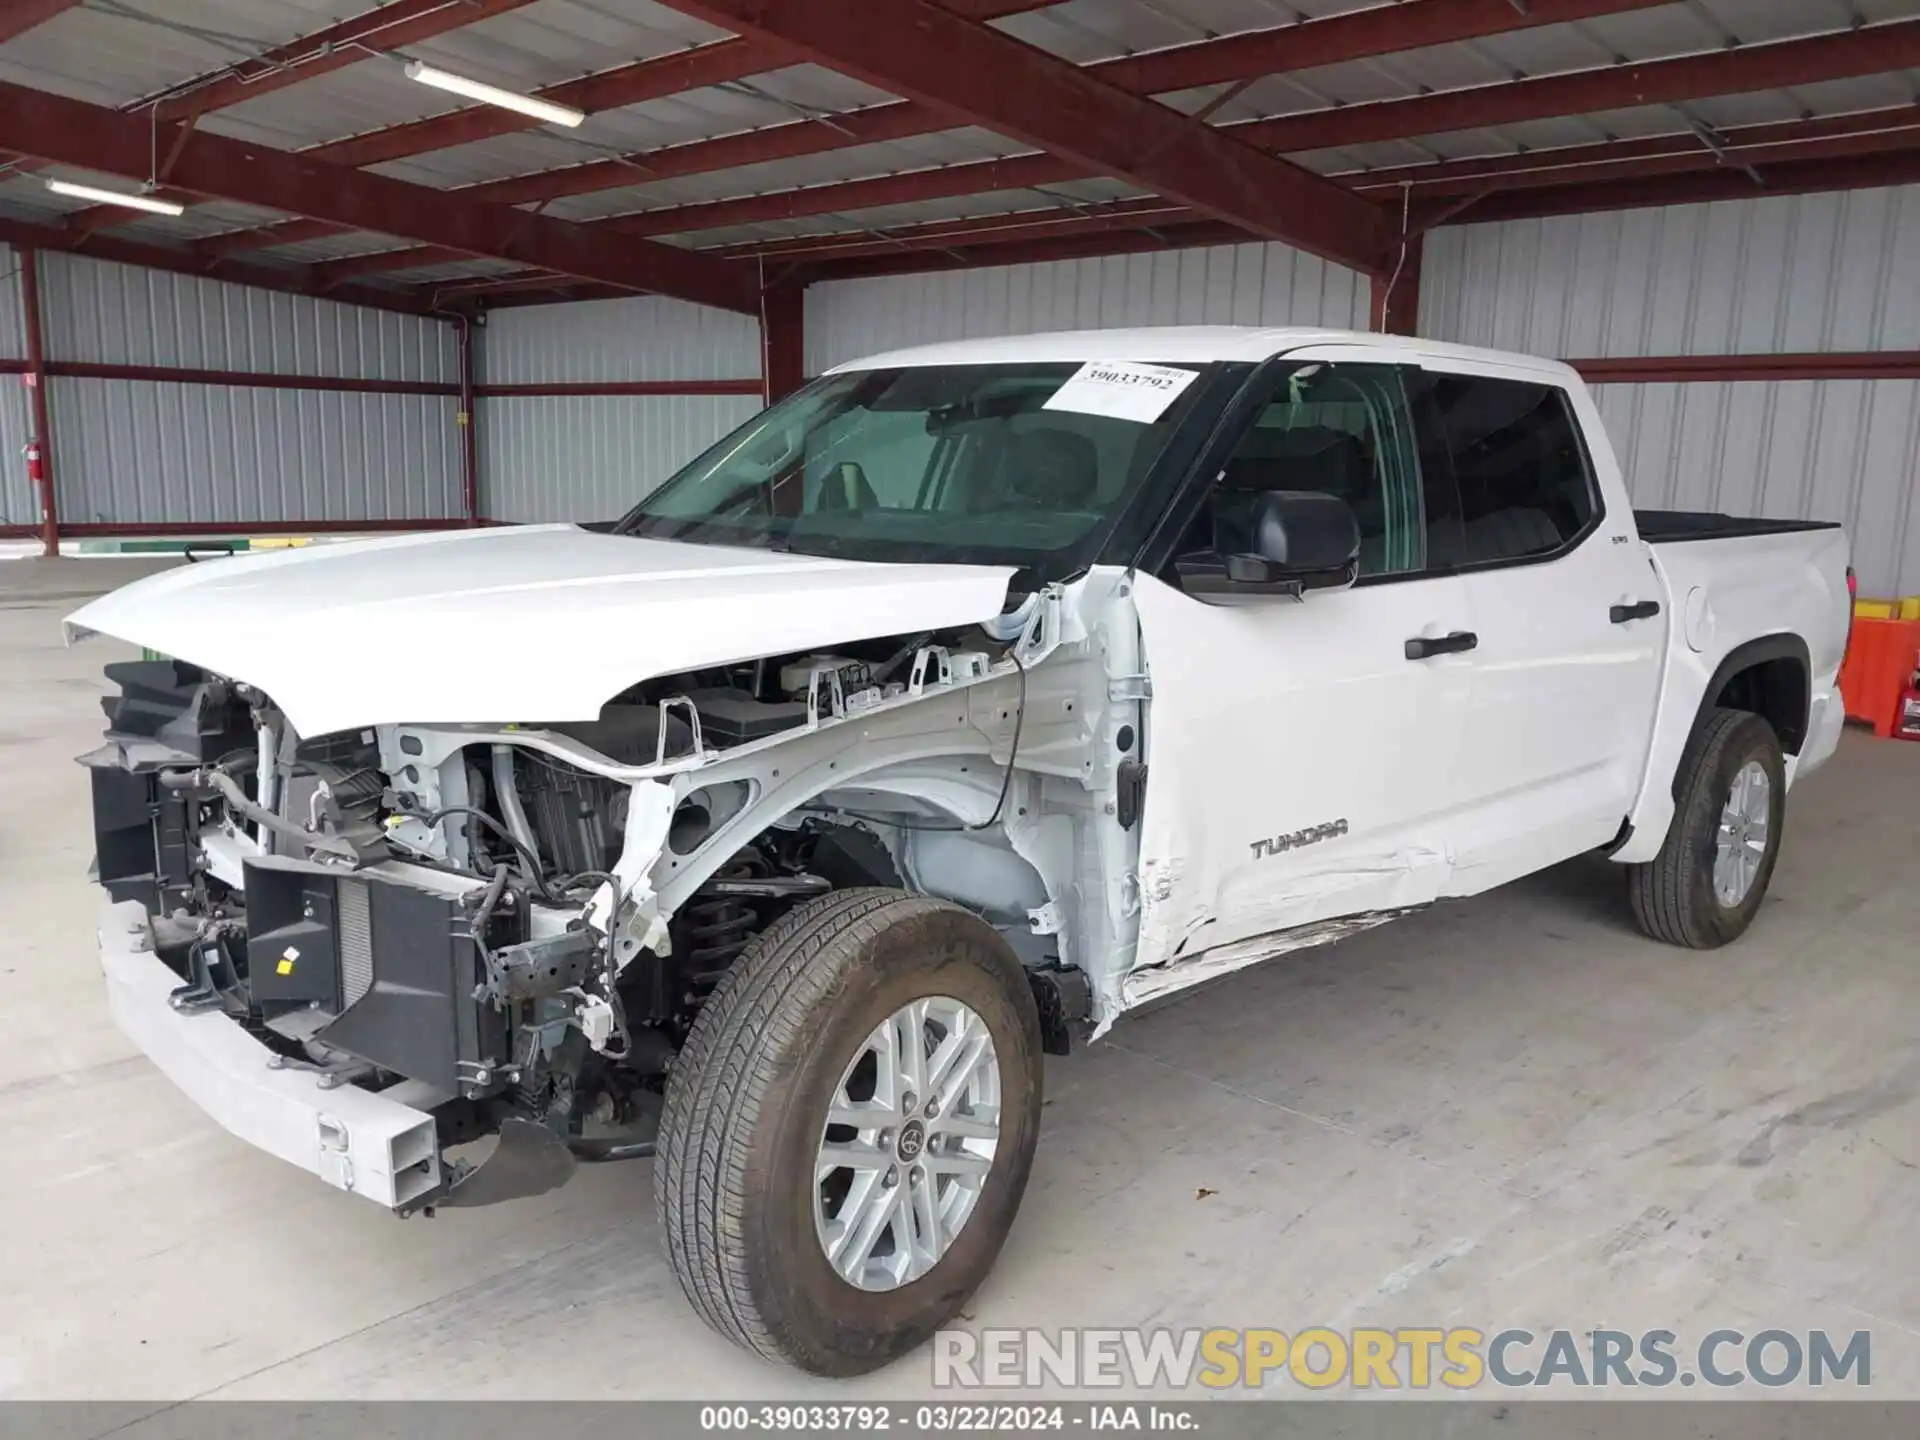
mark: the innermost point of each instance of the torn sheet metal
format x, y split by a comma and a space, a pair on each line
1149, 984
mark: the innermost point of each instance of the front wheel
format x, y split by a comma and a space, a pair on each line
849, 1129
1706, 884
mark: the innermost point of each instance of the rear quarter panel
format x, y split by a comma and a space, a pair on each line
1723, 594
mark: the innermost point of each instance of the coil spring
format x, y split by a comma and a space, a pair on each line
717, 930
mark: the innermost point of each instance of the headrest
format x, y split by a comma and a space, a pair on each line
1310, 457
845, 487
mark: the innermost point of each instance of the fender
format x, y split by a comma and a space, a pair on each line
1745, 657
1646, 828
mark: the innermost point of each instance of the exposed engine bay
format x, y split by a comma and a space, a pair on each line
514, 927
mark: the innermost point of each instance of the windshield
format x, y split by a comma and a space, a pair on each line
1018, 464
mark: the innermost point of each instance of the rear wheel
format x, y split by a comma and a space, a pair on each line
849, 1129
1707, 883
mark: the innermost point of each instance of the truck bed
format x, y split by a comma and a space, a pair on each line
1668, 527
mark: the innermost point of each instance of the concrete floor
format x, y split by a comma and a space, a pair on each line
1512, 1112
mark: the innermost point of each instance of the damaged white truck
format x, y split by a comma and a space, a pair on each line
952, 707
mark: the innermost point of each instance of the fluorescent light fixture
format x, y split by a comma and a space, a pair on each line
494, 95
116, 197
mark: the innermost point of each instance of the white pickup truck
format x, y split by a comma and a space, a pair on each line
952, 707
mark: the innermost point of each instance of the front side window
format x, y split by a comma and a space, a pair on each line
1023, 464
1339, 430
1519, 466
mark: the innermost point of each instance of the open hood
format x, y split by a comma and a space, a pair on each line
515, 624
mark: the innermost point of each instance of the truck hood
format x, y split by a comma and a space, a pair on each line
523, 623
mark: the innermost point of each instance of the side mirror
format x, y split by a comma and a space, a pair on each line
1296, 541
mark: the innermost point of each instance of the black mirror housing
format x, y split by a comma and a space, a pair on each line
1300, 540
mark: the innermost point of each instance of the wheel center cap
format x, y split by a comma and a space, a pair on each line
913, 1139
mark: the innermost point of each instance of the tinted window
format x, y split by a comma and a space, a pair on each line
991, 464
1519, 468
1340, 430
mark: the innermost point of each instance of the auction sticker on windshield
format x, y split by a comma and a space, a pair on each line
1121, 390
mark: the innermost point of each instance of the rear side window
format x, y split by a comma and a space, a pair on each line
1519, 467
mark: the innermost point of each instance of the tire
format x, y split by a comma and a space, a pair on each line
746, 1114
1673, 895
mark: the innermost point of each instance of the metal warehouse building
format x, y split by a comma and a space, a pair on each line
293, 269
1705, 205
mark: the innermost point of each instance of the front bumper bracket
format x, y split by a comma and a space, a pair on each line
355, 1140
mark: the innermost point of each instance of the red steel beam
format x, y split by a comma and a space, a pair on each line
796, 258
287, 279
906, 118
66, 131
1806, 177
286, 232
1032, 252
519, 280
400, 22
1063, 242
633, 84
330, 273
1781, 64
626, 387
1683, 162
900, 120
1829, 137
643, 80
1689, 369
41, 441
1019, 225
1014, 173
783, 339
1822, 137
1381, 29
20, 16
1354, 36
981, 77
626, 85
243, 379
468, 419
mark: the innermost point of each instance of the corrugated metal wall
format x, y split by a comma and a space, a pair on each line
125, 315
142, 451
139, 452
1256, 284
646, 338
588, 457
1812, 449
1781, 275
17, 504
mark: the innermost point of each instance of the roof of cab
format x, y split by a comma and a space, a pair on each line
1192, 344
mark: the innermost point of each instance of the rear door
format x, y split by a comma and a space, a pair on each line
1302, 765
1565, 606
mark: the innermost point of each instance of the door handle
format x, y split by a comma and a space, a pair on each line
1424, 647
1639, 610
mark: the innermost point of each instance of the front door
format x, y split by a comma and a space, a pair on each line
1301, 753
